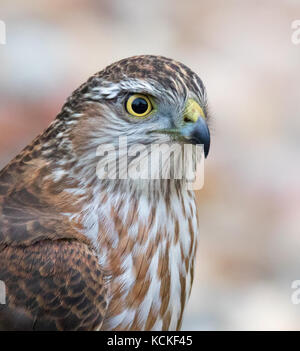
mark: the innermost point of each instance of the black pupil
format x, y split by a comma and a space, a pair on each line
139, 105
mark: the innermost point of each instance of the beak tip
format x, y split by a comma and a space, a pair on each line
206, 150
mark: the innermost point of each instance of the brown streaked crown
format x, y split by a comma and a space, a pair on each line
158, 68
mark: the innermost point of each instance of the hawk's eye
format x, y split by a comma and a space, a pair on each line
138, 105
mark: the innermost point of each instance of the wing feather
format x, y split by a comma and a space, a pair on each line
52, 285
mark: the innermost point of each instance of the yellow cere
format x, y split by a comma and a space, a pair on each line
192, 111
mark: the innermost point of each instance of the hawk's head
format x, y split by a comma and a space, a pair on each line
147, 99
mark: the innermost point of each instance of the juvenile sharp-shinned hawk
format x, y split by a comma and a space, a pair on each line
78, 252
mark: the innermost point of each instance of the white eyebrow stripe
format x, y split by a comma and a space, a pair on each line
110, 90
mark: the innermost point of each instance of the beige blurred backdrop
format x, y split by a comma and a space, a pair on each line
249, 208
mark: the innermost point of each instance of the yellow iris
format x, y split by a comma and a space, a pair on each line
139, 105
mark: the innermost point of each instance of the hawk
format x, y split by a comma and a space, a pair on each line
78, 252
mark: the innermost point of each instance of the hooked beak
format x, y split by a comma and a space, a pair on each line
193, 128
197, 133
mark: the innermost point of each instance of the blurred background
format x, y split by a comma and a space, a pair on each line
249, 208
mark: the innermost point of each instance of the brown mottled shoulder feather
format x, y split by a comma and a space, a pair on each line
31, 205
52, 285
